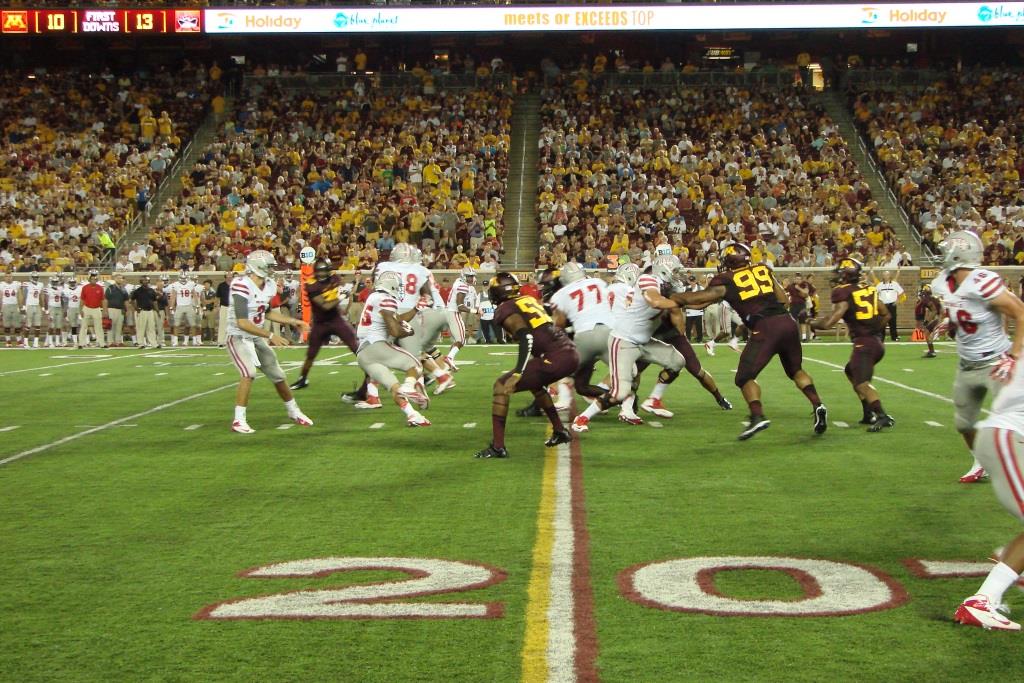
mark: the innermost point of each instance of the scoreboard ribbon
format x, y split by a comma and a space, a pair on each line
86, 21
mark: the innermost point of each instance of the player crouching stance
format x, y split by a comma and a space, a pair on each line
249, 343
379, 323
546, 355
999, 448
762, 303
322, 290
856, 302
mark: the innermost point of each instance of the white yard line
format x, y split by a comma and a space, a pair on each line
77, 362
923, 392
112, 423
932, 423
840, 424
377, 425
9, 429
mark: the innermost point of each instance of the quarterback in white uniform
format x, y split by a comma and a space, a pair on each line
975, 301
461, 300
184, 303
379, 324
249, 342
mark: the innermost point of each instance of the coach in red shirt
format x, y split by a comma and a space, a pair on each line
94, 308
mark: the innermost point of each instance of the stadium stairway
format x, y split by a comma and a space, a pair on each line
521, 237
889, 208
171, 186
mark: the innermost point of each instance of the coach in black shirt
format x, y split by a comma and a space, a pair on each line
144, 304
224, 296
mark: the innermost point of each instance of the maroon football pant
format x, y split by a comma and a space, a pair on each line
867, 352
321, 333
776, 335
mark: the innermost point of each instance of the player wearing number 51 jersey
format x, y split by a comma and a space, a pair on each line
856, 302
762, 303
975, 301
546, 355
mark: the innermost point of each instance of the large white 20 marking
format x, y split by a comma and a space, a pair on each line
383, 600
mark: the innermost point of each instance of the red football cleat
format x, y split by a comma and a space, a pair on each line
978, 611
974, 475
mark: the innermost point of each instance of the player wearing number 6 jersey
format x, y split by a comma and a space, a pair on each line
975, 301
546, 355
856, 302
249, 344
762, 303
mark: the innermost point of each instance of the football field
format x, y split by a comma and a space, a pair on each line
143, 540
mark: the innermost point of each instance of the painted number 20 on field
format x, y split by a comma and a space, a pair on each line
830, 588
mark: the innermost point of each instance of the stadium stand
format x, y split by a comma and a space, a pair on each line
624, 170
81, 154
951, 152
350, 172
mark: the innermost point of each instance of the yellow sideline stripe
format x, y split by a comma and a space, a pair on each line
535, 644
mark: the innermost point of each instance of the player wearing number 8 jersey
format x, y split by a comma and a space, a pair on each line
856, 302
975, 301
546, 355
762, 303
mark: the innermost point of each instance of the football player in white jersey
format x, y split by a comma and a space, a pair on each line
11, 307
249, 343
999, 448
33, 296
183, 300
635, 316
975, 302
73, 295
461, 300
379, 324
53, 301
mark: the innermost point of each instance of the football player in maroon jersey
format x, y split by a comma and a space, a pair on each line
546, 355
856, 302
757, 296
927, 314
322, 290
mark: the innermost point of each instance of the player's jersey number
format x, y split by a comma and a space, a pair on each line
753, 281
366, 322
532, 312
580, 296
963, 321
865, 303
411, 284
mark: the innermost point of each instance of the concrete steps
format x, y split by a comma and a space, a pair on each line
521, 238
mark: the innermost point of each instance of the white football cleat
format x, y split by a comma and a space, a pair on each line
978, 611
445, 383
710, 347
415, 396
734, 344
242, 427
301, 420
417, 420
654, 406
630, 419
370, 403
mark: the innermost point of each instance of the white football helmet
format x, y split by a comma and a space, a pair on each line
468, 273
389, 282
261, 263
402, 253
961, 249
417, 256
628, 273
665, 268
571, 272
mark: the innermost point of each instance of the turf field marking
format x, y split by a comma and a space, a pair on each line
192, 428
46, 374
9, 429
932, 394
907, 370
62, 365
217, 374
655, 424
103, 374
160, 374
333, 372
376, 425
469, 425
287, 425
113, 423
932, 423
840, 423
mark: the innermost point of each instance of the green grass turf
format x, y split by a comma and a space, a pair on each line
112, 542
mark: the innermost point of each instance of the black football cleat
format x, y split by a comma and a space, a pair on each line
881, 423
563, 436
929, 354
820, 419
491, 453
531, 410
756, 424
353, 396
300, 383
724, 404
868, 419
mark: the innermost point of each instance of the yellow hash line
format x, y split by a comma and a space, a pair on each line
535, 645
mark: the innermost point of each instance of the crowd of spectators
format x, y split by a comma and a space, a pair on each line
350, 173
696, 168
952, 154
82, 152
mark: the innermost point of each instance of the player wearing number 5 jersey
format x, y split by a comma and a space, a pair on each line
856, 302
249, 344
762, 303
975, 301
546, 355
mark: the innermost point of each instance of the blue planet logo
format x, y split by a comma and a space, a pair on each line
341, 20
985, 13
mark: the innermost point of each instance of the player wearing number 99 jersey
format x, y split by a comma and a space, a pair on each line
975, 301
546, 355
856, 302
759, 299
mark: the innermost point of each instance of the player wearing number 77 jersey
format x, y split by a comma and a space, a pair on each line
856, 302
975, 301
249, 343
762, 303
546, 355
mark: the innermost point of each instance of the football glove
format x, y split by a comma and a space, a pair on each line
1003, 370
330, 295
